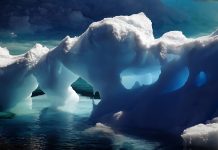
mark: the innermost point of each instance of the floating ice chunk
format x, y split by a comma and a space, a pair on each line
202, 136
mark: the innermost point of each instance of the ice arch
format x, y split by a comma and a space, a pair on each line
99, 56
22, 74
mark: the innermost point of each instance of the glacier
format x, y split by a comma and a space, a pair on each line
165, 84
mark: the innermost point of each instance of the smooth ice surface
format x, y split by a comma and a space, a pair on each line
107, 53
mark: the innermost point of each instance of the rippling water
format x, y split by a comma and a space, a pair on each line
45, 128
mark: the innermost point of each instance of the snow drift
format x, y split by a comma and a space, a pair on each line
165, 84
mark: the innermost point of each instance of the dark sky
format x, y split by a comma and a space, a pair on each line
31, 16
72, 17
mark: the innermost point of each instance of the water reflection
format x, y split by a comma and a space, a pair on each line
49, 128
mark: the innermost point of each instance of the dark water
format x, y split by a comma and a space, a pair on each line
67, 128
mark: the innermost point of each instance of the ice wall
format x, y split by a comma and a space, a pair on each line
165, 84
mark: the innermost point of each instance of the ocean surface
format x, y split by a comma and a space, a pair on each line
40, 127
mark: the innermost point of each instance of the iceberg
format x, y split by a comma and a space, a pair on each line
166, 84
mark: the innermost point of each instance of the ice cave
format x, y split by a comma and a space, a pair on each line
153, 67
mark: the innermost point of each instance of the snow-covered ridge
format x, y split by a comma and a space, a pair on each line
166, 84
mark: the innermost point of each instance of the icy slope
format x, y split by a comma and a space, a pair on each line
166, 84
